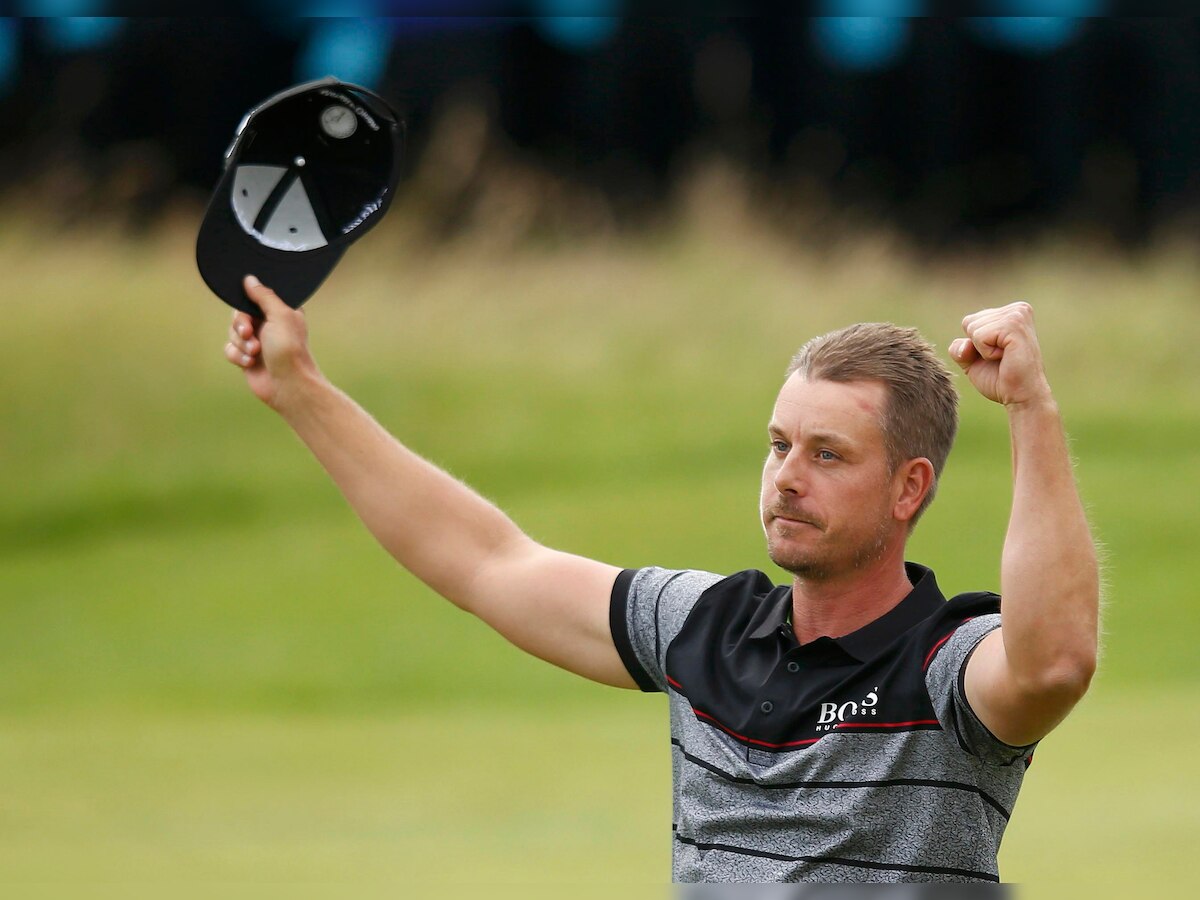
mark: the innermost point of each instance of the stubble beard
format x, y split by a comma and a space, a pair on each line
818, 567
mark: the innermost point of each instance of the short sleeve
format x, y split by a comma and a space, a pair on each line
944, 678
646, 612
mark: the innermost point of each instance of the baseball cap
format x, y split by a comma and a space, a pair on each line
310, 170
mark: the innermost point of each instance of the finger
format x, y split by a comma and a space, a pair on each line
1016, 317
963, 352
988, 342
989, 331
268, 301
248, 345
237, 357
975, 319
243, 324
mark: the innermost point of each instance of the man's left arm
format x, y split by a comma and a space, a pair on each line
1025, 677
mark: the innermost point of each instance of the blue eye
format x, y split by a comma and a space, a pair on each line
826, 455
779, 446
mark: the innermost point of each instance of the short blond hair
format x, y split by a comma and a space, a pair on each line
920, 417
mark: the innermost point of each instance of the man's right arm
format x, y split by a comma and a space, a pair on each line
552, 604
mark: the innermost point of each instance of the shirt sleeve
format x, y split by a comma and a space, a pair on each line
646, 612
944, 678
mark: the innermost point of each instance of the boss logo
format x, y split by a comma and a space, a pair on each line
833, 713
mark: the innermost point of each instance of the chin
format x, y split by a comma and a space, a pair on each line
799, 564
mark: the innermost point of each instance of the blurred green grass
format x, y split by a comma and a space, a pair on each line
208, 672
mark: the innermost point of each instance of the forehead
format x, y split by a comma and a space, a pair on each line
852, 408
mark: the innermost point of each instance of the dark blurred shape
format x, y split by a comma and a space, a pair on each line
950, 129
846, 892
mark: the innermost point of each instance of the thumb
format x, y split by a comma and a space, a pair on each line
963, 352
268, 301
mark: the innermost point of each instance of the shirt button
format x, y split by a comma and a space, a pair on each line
793, 667
767, 706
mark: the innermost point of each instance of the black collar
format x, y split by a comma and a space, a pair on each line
921, 602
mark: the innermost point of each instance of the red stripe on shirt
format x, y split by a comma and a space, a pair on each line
929, 658
748, 740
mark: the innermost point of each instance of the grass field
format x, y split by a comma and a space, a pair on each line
210, 674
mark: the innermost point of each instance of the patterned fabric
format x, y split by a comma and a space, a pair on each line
855, 759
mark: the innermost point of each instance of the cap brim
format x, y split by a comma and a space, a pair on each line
225, 254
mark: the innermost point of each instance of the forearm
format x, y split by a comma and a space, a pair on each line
1049, 573
435, 526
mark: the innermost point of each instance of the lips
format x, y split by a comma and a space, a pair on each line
796, 518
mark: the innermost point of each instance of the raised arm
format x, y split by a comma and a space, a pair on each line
549, 603
1026, 676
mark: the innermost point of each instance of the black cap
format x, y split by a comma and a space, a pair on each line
311, 169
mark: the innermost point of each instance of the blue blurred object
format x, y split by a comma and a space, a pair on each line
559, 23
860, 43
10, 49
354, 50
864, 43
65, 26
1034, 35
68, 34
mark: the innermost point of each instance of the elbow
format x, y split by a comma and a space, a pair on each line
1079, 677
1069, 679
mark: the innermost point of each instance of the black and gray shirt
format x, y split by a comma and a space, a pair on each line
848, 759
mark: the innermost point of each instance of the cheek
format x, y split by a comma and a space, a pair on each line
767, 487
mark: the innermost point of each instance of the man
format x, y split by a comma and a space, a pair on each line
853, 726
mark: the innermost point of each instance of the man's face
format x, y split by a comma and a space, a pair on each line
827, 492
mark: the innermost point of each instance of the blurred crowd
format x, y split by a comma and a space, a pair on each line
952, 128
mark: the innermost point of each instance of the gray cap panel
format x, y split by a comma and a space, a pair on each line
292, 225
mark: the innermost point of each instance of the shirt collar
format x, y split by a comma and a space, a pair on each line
921, 602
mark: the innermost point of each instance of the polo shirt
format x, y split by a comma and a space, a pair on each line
850, 759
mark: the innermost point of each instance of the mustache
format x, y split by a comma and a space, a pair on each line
794, 512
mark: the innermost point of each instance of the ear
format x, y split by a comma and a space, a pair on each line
911, 484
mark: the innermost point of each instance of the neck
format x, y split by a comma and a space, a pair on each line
837, 606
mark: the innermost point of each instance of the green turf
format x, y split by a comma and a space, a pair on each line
208, 672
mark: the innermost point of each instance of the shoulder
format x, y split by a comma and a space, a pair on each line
678, 593
740, 606
647, 609
743, 601
979, 607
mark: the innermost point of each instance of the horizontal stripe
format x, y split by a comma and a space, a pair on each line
816, 785
840, 861
916, 723
749, 740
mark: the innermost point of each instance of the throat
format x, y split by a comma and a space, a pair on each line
827, 610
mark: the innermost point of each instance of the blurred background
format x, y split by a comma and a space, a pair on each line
611, 233
952, 129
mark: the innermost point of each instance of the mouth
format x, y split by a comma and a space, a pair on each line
794, 521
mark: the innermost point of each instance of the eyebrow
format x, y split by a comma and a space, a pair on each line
820, 437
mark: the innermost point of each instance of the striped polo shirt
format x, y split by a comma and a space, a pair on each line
855, 759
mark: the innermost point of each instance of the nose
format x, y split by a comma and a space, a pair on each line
790, 477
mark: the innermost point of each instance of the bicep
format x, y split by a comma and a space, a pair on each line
555, 606
1018, 714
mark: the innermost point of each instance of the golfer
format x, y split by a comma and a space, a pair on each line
854, 725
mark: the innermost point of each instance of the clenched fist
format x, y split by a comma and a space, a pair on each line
1001, 356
